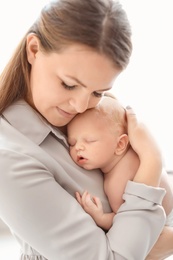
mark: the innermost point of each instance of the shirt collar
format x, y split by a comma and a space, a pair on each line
30, 123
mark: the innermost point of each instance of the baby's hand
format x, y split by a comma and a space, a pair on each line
92, 205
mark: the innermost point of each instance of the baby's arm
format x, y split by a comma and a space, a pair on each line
93, 206
114, 188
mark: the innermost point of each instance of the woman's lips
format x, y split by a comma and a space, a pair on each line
65, 114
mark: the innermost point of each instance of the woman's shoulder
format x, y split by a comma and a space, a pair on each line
22, 118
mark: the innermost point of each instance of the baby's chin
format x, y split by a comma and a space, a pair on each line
88, 167
85, 163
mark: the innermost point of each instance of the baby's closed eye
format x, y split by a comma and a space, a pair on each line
91, 140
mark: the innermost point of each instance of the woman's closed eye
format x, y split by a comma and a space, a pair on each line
71, 87
68, 87
98, 94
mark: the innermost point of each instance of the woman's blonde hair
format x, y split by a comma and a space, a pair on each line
99, 24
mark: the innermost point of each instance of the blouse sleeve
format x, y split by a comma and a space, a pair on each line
138, 222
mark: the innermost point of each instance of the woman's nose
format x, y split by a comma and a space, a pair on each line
80, 104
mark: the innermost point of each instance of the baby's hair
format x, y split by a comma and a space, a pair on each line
109, 94
113, 111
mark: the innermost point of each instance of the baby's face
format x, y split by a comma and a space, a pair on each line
92, 144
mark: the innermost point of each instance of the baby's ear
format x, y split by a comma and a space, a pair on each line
122, 144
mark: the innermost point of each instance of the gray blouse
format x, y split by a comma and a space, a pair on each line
38, 180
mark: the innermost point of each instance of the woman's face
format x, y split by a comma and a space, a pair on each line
67, 83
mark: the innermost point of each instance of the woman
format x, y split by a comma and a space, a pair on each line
65, 62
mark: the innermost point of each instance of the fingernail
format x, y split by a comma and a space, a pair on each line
128, 107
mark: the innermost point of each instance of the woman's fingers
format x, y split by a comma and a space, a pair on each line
130, 110
131, 119
141, 139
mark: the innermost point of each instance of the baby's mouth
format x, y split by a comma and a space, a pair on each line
81, 159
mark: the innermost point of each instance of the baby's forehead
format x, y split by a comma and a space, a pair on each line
109, 102
81, 120
91, 117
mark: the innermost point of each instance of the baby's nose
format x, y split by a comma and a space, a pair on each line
80, 146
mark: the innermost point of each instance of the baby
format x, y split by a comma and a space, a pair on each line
98, 139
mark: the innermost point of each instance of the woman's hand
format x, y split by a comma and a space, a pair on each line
164, 245
141, 139
144, 144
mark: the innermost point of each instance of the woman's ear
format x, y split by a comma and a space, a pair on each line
32, 47
122, 144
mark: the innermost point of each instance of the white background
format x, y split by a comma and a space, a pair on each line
146, 83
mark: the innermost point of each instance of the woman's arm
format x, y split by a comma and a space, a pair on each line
164, 245
144, 144
148, 173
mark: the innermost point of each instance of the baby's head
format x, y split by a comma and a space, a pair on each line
111, 110
109, 114
97, 136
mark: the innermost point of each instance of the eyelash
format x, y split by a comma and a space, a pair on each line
67, 86
96, 94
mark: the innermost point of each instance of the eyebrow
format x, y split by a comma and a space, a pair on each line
82, 84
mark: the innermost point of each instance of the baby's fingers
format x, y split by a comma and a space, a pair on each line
97, 202
82, 198
79, 198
